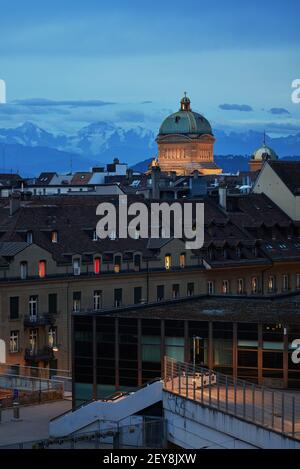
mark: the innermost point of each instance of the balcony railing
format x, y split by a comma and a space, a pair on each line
41, 354
45, 319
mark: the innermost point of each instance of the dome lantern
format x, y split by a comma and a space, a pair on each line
185, 103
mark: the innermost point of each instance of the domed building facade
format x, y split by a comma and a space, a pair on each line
264, 153
186, 143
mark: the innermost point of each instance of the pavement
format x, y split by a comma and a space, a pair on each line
33, 423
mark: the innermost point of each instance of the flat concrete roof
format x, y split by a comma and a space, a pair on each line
283, 309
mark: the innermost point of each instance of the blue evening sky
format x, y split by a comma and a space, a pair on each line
68, 63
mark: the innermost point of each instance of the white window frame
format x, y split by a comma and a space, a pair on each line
76, 266
33, 307
14, 341
97, 300
210, 287
285, 282
240, 286
23, 270
225, 287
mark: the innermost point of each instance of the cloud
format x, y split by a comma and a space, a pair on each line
12, 109
236, 107
278, 111
130, 116
39, 102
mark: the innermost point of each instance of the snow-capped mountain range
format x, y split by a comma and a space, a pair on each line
30, 149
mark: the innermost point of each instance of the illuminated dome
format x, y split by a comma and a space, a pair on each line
264, 153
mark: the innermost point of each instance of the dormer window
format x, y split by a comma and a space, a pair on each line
168, 261
54, 237
42, 269
76, 266
182, 260
137, 262
117, 264
29, 237
97, 265
23, 270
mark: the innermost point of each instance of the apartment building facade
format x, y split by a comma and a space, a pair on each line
52, 264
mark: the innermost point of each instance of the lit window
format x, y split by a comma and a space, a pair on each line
117, 264
254, 285
14, 342
42, 269
23, 270
182, 260
240, 286
168, 262
97, 265
271, 284
33, 340
225, 287
54, 237
52, 337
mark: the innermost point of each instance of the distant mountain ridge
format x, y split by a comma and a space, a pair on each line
30, 149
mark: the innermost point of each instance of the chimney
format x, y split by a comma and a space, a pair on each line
223, 197
14, 204
155, 177
129, 173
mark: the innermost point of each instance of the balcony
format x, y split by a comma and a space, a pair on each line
43, 354
46, 319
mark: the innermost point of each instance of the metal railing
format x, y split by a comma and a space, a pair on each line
32, 371
39, 320
271, 409
149, 433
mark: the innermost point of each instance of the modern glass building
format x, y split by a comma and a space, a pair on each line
249, 339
